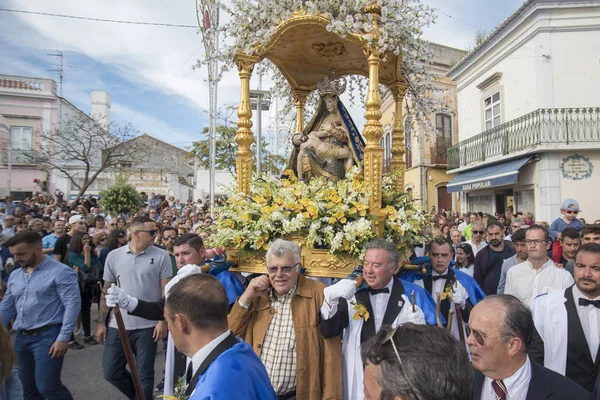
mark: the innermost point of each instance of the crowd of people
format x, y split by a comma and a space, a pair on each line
505, 307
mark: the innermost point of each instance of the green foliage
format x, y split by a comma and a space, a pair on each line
120, 198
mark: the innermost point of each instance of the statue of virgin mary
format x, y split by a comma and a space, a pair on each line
330, 144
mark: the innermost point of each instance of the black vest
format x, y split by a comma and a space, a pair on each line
580, 366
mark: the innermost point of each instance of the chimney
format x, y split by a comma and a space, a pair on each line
101, 107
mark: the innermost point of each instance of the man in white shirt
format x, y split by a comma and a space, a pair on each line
568, 323
501, 328
539, 273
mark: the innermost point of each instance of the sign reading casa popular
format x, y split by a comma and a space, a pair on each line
477, 185
576, 167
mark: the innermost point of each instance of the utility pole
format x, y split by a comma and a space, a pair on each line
60, 71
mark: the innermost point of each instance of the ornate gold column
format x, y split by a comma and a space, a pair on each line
398, 90
300, 100
373, 131
243, 135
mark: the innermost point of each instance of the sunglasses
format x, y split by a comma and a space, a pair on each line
121, 236
169, 237
571, 212
478, 232
479, 337
287, 269
151, 232
390, 338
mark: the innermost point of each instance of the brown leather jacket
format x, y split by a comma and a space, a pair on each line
318, 360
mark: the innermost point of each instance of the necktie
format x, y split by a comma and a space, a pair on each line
377, 291
499, 389
586, 302
189, 373
436, 277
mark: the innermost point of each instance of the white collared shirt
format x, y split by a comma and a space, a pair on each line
589, 316
379, 303
475, 247
437, 286
526, 283
517, 385
200, 356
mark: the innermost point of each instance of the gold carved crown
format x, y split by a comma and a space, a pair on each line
330, 85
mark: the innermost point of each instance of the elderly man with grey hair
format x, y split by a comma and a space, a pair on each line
278, 315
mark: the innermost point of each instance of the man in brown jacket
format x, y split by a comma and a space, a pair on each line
278, 315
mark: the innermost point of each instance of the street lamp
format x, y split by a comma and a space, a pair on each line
260, 100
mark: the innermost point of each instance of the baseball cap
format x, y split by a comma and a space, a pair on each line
570, 204
75, 219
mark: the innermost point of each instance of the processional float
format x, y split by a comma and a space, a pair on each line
306, 53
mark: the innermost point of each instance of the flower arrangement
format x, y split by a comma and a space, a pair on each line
329, 215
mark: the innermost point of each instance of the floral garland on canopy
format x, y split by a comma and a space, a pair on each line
252, 23
330, 215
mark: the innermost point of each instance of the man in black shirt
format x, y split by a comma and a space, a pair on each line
488, 262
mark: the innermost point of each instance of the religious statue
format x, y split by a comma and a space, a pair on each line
330, 144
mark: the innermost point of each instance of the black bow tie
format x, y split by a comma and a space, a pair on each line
436, 277
377, 291
586, 302
189, 373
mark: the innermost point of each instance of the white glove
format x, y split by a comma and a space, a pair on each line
117, 296
344, 288
460, 296
416, 317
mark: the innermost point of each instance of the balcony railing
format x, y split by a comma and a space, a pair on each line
546, 126
439, 150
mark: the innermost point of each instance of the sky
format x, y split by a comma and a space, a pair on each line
148, 69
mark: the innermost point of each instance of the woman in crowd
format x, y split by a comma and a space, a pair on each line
83, 258
10, 384
115, 239
81, 210
465, 259
98, 225
100, 241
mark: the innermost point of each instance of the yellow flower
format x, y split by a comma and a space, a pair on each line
338, 216
358, 208
259, 199
167, 397
311, 212
246, 217
391, 212
446, 294
361, 312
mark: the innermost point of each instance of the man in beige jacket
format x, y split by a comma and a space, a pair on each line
278, 315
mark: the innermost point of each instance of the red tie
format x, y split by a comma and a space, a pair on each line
499, 389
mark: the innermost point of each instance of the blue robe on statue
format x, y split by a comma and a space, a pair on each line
237, 373
219, 269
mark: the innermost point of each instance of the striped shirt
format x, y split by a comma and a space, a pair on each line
279, 348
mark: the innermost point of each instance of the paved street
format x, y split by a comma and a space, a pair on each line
82, 372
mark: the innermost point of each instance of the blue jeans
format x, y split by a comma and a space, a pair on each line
40, 374
114, 362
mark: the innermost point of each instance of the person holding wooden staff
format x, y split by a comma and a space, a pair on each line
359, 315
457, 290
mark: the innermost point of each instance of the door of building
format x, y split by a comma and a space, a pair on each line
444, 198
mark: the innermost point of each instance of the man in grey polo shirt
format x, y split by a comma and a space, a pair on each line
143, 271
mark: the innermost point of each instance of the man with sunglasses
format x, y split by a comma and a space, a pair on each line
538, 274
142, 270
477, 239
278, 315
569, 211
500, 334
568, 323
386, 299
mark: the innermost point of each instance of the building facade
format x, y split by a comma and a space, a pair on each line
529, 113
427, 145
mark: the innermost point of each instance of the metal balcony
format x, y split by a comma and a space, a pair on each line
542, 128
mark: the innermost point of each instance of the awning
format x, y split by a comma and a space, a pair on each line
493, 175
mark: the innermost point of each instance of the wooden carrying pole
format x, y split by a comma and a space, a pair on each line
137, 384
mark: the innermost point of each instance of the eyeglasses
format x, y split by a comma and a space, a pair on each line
151, 232
478, 232
121, 236
571, 212
479, 337
390, 338
285, 269
169, 237
536, 242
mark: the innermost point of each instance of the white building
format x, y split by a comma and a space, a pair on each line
529, 113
